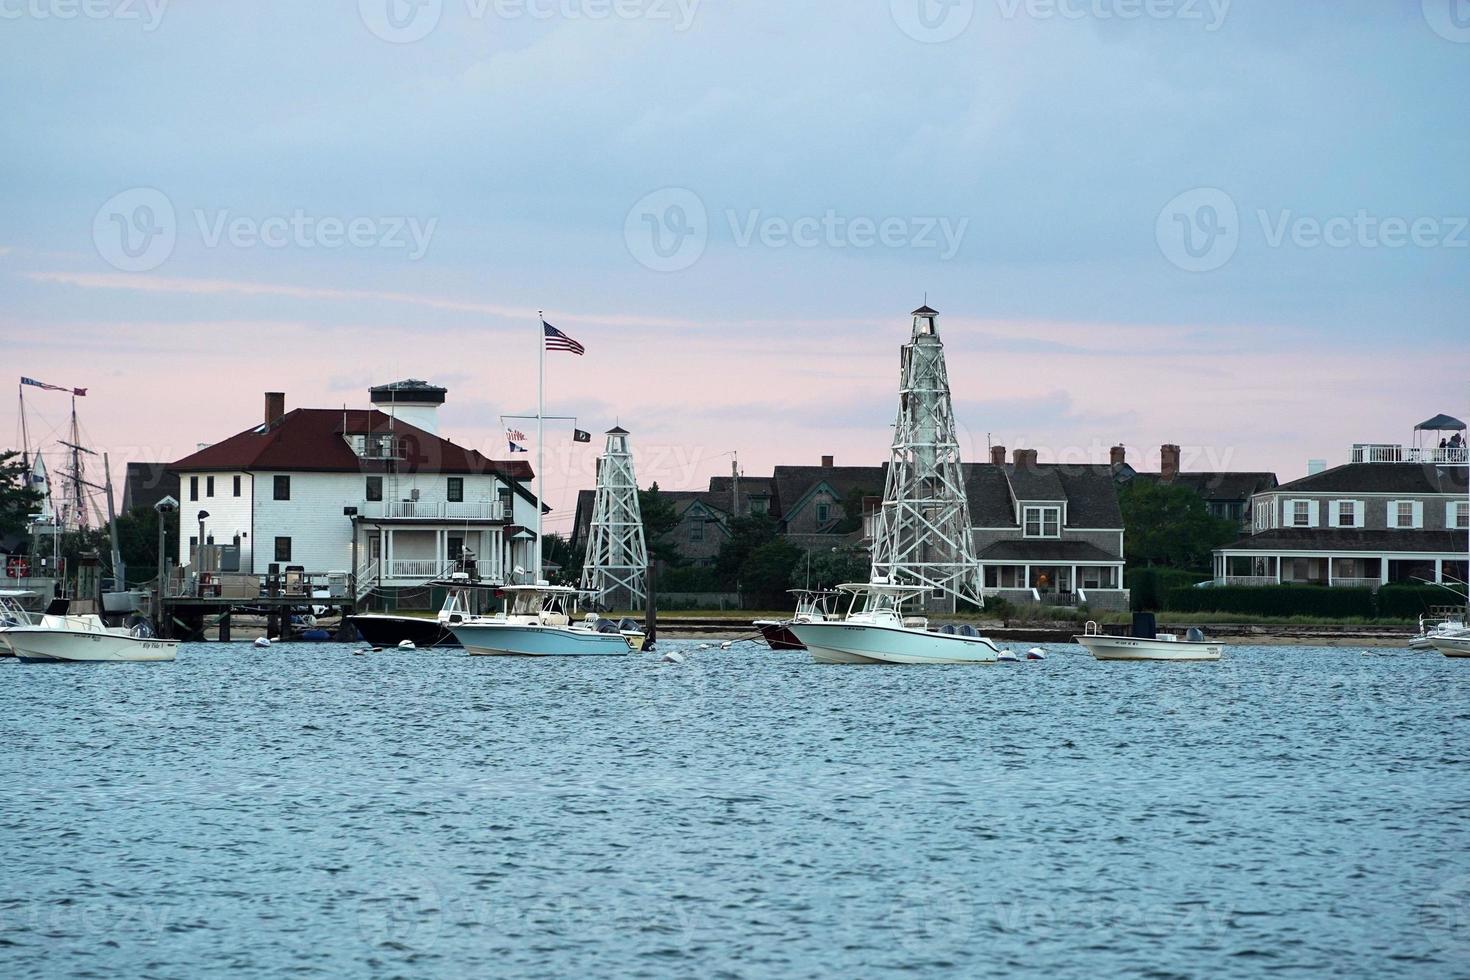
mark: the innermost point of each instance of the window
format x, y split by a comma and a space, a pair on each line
193, 488
374, 488
759, 505
1043, 522
282, 487
1401, 513
456, 546
283, 548
696, 530
506, 508
1460, 515
209, 486
824, 513
1347, 513
237, 486
456, 489
1301, 513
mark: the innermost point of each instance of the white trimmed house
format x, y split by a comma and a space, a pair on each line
1372, 522
373, 492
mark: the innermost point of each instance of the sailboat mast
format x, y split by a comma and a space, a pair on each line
25, 436
540, 437
78, 505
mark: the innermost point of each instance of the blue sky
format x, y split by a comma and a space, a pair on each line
1036, 175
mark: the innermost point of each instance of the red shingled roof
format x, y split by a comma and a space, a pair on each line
311, 440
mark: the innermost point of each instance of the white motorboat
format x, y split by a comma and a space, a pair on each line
13, 614
812, 606
1431, 628
1453, 644
875, 631
85, 639
1146, 643
540, 621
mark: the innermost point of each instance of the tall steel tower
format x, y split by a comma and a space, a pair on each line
617, 555
923, 531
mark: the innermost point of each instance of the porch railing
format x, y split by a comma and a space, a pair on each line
1251, 580
432, 510
1393, 453
417, 569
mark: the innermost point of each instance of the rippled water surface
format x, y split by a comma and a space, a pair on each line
304, 810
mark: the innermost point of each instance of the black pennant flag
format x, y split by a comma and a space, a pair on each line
579, 436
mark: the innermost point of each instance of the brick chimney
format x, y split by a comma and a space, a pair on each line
997, 455
1024, 457
826, 462
1168, 461
275, 406
1118, 455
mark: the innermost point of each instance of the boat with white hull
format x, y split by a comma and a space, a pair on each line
1158, 646
1453, 645
538, 621
85, 639
879, 633
1431, 629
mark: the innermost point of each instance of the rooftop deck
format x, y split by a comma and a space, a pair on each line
1368, 452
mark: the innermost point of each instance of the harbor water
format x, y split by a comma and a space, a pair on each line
307, 810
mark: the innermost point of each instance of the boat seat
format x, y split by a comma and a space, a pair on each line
948, 629
968, 630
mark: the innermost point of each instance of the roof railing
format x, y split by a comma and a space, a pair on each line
1367, 452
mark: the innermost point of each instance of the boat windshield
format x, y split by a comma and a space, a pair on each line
533, 603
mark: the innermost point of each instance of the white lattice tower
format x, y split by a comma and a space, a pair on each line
616, 563
923, 532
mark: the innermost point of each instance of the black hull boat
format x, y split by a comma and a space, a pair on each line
778, 636
390, 631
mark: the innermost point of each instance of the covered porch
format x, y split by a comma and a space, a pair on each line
402, 556
1361, 570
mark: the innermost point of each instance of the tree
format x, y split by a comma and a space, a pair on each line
852, 509
830, 567
137, 540
557, 550
659, 518
1170, 526
766, 573
746, 535
18, 499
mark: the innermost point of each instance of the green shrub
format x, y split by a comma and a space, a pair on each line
1149, 585
1413, 601
1274, 600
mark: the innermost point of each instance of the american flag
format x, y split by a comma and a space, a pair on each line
515, 434
556, 340
44, 386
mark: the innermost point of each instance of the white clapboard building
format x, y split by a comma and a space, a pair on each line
374, 491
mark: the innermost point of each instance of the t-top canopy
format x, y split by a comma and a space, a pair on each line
1441, 423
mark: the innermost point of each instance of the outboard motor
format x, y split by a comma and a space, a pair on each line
628, 623
606, 626
1195, 635
1145, 626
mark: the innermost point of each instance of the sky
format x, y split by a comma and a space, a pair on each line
1239, 226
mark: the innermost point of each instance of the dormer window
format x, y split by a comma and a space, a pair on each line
1043, 522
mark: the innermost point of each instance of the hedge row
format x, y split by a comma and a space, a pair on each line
1390, 602
1149, 586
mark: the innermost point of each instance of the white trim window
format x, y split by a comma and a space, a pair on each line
1457, 515
1405, 514
1042, 522
1347, 513
1299, 513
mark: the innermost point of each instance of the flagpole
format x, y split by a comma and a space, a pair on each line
540, 436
